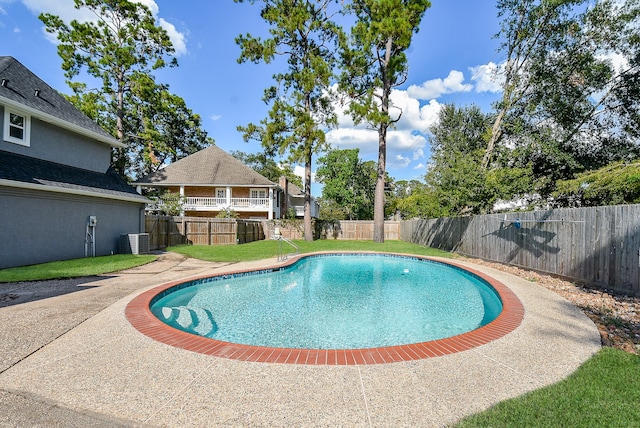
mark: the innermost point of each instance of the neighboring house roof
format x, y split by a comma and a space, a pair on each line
18, 90
211, 166
294, 190
26, 172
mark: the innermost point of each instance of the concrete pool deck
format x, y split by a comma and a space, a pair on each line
75, 360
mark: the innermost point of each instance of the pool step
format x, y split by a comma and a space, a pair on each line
191, 319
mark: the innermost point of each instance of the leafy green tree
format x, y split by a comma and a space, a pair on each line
422, 203
348, 182
581, 89
167, 130
566, 106
301, 110
121, 48
374, 64
265, 165
530, 29
457, 145
227, 213
398, 195
618, 183
169, 203
330, 210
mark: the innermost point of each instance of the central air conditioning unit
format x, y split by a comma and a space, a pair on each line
134, 243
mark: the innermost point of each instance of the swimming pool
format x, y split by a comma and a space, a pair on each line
375, 282
342, 301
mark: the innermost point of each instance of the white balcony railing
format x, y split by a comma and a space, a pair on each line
202, 203
205, 203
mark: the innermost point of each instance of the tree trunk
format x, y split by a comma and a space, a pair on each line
496, 133
119, 161
378, 206
308, 231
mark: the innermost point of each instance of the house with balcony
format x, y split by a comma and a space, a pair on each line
59, 197
212, 181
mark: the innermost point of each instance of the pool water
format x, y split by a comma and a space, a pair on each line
334, 302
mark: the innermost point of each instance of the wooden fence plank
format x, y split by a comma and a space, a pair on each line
166, 231
597, 245
334, 229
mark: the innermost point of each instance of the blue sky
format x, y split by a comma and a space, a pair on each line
450, 60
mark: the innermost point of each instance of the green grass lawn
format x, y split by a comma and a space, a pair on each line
603, 392
74, 268
267, 249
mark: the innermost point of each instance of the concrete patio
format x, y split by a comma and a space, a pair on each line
74, 360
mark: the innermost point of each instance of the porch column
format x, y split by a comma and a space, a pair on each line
228, 195
182, 199
270, 203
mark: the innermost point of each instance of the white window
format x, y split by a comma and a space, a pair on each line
16, 127
258, 193
221, 196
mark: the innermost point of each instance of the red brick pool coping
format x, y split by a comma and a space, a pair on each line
141, 318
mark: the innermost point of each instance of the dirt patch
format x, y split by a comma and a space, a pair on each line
616, 316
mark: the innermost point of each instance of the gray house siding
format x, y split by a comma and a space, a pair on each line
41, 226
54, 174
58, 145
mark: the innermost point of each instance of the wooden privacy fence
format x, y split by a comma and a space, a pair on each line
165, 231
162, 231
597, 245
356, 230
332, 229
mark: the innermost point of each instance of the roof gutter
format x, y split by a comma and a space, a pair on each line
61, 123
143, 184
44, 188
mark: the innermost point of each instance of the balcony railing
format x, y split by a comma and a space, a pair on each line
205, 203
202, 203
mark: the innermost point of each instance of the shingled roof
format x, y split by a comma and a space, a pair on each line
35, 173
211, 167
26, 90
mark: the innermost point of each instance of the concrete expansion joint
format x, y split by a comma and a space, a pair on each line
364, 396
177, 394
26, 356
508, 367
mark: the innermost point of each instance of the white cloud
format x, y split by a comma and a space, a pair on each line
414, 116
215, 117
419, 166
63, 8
351, 138
178, 39
406, 141
487, 77
618, 62
435, 88
401, 161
